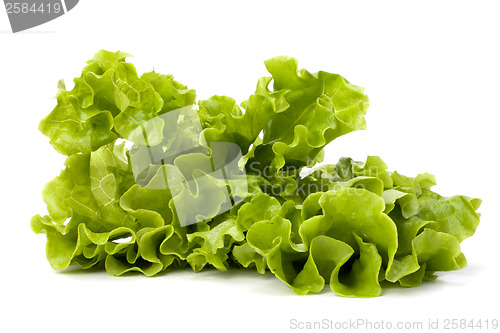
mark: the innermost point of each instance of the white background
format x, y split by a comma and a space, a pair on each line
431, 70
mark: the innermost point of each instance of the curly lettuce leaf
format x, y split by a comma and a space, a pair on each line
456, 215
317, 108
348, 225
109, 100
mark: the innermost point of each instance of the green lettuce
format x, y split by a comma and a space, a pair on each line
349, 225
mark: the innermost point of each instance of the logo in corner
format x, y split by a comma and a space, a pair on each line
26, 14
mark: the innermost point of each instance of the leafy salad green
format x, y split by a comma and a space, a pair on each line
351, 225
